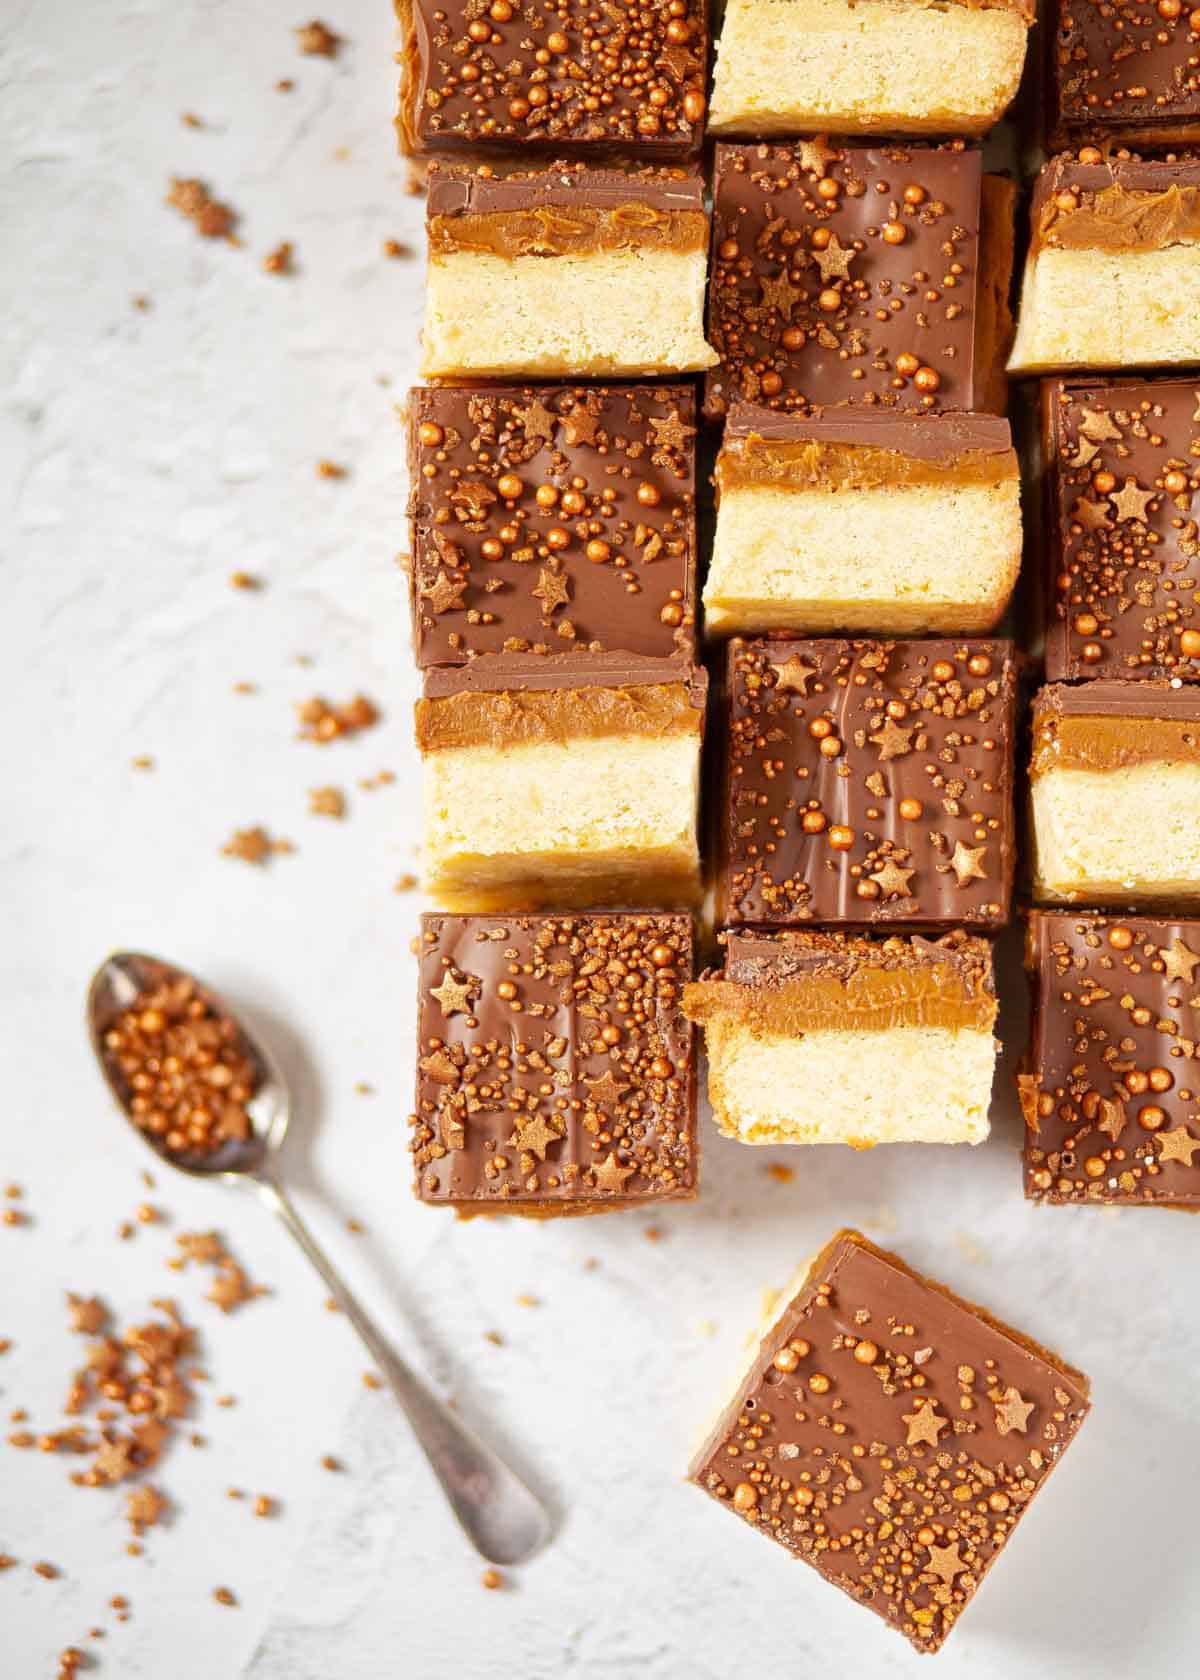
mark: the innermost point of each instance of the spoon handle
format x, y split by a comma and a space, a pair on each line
502, 1518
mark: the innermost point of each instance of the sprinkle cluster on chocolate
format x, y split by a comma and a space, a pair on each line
1111, 1087
552, 520
844, 274
868, 782
563, 73
555, 1064
892, 1436
1120, 65
1123, 465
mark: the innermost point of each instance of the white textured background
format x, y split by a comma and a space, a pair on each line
143, 457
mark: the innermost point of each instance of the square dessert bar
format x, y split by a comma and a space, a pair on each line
552, 520
855, 274
564, 271
1111, 1083
899, 1028
1124, 70
556, 1070
1114, 784
867, 782
862, 66
569, 75
1110, 276
891, 1434
863, 519
553, 782
1123, 557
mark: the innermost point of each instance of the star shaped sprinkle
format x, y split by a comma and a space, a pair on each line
1084, 453
673, 432
536, 421
1131, 503
1178, 1145
679, 61
445, 594
1012, 1413
892, 881
579, 425
606, 1089
967, 863
439, 1066
834, 261
534, 1134
945, 1563
1097, 424
553, 590
779, 294
924, 1425
816, 153
611, 1175
1112, 1118
455, 992
892, 741
793, 676
1093, 516
1178, 962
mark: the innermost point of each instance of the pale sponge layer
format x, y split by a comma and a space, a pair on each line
622, 313
863, 65
1109, 309
1110, 834
896, 561
898, 1085
588, 823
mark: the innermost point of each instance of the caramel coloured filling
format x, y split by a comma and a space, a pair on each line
549, 230
804, 464
525, 717
1112, 743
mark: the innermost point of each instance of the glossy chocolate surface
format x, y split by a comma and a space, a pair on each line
1111, 1082
868, 782
1125, 66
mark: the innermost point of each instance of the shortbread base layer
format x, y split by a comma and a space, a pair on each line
900, 561
1113, 836
620, 314
1109, 309
786, 66
861, 1088
583, 824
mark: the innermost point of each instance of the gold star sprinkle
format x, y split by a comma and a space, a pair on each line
536, 421
444, 595
1097, 424
455, 994
1091, 515
1112, 1118
892, 741
553, 590
606, 1089
967, 863
579, 425
945, 1563
534, 1134
1131, 503
611, 1175
793, 676
779, 294
1178, 962
673, 432
816, 153
892, 881
1011, 1412
834, 261
1178, 1145
924, 1425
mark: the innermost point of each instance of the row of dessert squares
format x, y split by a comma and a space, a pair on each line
497, 73
833, 271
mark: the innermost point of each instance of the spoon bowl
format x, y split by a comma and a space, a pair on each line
501, 1516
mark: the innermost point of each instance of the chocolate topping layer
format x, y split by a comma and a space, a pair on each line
1099, 726
1134, 204
525, 673
594, 552
892, 1435
794, 982
862, 448
571, 75
461, 189
556, 1071
1126, 69
813, 244
1111, 1086
868, 782
1123, 560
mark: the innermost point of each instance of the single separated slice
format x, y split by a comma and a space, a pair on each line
891, 1434
1114, 784
860, 519
596, 1110
862, 66
837, 1038
565, 271
554, 783
1111, 274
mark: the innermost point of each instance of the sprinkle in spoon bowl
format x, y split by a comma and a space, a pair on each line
501, 1516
